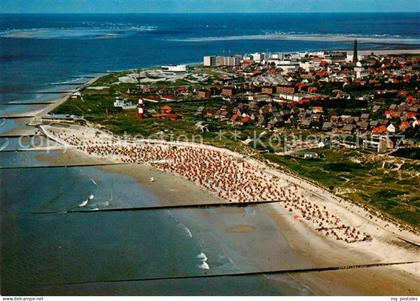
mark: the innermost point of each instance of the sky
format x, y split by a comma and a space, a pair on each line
215, 6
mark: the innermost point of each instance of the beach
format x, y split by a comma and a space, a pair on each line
310, 243
45, 247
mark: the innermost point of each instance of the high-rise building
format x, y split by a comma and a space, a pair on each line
258, 57
220, 61
232, 61
355, 57
209, 61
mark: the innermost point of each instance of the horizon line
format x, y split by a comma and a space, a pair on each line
206, 13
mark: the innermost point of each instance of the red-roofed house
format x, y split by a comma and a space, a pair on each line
301, 86
322, 73
248, 62
166, 110
234, 117
312, 89
411, 115
411, 99
227, 91
379, 130
404, 125
317, 110
392, 114
245, 119
181, 89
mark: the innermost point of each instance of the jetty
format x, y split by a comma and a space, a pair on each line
162, 207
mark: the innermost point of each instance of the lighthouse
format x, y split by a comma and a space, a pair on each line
140, 109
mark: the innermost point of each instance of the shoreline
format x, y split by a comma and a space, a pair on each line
393, 280
323, 252
385, 40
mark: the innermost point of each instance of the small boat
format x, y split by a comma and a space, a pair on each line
91, 197
152, 179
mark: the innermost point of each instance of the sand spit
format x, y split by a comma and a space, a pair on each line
312, 37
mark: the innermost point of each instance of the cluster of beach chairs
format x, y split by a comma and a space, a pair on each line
231, 178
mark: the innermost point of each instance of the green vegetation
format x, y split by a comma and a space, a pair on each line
359, 177
410, 153
385, 183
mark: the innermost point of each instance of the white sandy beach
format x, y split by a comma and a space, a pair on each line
339, 231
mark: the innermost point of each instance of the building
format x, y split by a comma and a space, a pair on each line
258, 57
267, 90
286, 89
290, 96
209, 61
204, 94
168, 113
228, 61
168, 98
355, 57
151, 98
175, 68
227, 91
287, 66
121, 103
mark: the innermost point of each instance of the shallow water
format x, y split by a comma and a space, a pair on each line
61, 248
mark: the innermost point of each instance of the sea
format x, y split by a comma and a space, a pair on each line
109, 254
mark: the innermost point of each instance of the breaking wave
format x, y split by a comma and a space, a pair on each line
203, 258
188, 231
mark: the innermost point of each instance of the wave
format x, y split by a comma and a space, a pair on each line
188, 231
75, 32
203, 258
204, 266
375, 39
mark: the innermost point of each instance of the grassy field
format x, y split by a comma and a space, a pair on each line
364, 178
387, 183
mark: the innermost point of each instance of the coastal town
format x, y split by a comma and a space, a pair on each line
368, 101
347, 121
210, 154
210, 148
